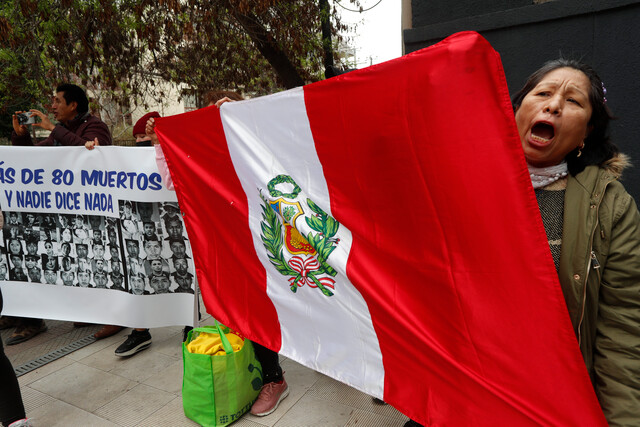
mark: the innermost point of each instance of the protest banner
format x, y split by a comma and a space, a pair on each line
380, 227
92, 236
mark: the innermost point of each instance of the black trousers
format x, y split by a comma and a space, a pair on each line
28, 321
271, 370
11, 406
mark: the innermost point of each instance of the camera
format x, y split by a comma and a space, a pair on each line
26, 118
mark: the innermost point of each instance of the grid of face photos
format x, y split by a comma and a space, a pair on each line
144, 252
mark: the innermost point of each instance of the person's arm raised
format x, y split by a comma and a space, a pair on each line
150, 131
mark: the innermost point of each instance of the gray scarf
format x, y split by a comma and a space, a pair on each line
541, 177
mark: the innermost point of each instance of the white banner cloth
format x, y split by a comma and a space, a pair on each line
92, 236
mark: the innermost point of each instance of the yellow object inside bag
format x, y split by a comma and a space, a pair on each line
210, 343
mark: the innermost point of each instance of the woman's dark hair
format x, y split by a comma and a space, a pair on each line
73, 93
597, 146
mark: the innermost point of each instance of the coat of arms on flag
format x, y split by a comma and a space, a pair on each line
305, 259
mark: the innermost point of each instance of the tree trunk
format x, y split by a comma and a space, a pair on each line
272, 53
329, 69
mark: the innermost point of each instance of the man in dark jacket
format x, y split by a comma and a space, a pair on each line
76, 125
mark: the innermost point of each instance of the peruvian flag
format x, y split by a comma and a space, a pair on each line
380, 227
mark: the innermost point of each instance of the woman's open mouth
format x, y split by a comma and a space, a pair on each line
542, 133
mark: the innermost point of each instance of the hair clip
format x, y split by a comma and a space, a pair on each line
604, 92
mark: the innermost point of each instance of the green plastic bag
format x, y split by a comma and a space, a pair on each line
217, 390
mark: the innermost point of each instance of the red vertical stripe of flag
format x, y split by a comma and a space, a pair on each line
215, 209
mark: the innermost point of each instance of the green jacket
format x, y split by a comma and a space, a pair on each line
600, 277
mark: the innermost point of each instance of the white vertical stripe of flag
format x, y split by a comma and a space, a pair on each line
270, 136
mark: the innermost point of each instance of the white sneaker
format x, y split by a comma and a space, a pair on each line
21, 423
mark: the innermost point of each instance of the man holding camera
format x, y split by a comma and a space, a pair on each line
76, 125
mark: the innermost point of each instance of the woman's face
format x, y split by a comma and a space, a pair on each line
15, 247
553, 118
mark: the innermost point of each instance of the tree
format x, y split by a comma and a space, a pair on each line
122, 49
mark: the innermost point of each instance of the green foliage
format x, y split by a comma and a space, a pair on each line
120, 50
288, 213
323, 241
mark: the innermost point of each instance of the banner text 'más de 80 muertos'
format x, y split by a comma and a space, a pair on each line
92, 236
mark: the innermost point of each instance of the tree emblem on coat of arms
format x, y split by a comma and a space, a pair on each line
301, 257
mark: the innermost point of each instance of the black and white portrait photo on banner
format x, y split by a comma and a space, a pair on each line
102, 221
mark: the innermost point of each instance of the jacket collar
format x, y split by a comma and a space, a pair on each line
593, 179
77, 121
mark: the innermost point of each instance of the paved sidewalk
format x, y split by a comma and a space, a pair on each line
93, 387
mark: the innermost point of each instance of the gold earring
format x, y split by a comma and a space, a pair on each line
580, 150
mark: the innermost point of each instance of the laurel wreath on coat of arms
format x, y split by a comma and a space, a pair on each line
306, 260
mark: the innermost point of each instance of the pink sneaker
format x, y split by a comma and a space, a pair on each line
269, 398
